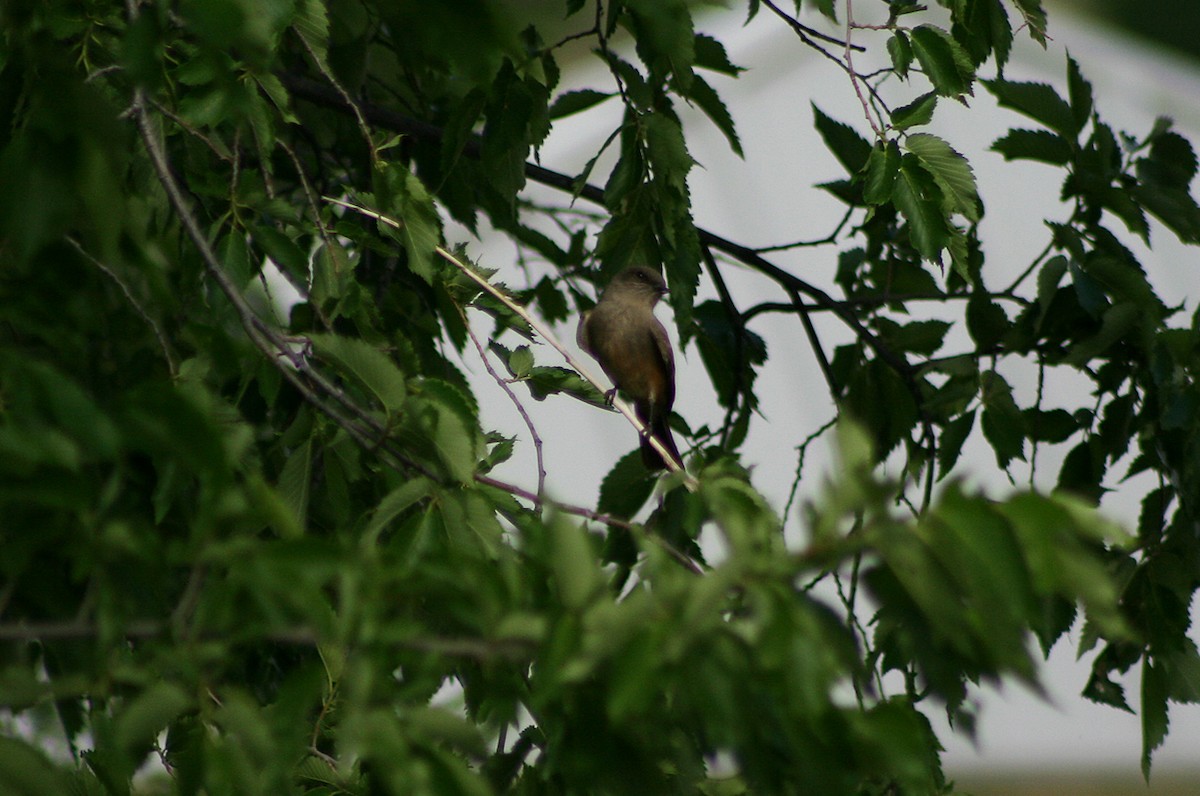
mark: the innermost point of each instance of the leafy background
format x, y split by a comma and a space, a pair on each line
274, 553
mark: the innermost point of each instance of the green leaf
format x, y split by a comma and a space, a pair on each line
283, 251
882, 167
1172, 161
1183, 673
710, 54
1118, 321
312, 23
918, 337
26, 771
1039, 102
706, 99
951, 171
1048, 279
742, 514
664, 39
395, 502
576, 571
1039, 145
901, 53
406, 201
627, 487
827, 8
919, 199
916, 113
295, 482
444, 419
373, 369
667, 151
951, 442
850, 148
944, 61
1003, 424
144, 717
730, 353
986, 321
572, 102
1055, 425
1080, 92
520, 363
1035, 19
1154, 711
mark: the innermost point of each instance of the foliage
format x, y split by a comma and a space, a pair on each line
267, 552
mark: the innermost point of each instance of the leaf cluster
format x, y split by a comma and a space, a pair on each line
262, 540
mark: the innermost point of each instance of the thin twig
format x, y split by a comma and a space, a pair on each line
512, 396
802, 452
854, 79
804, 31
158, 332
825, 241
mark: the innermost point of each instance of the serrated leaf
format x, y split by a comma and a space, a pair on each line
1175, 207
452, 439
372, 368
572, 102
943, 60
1055, 425
951, 442
664, 39
396, 501
918, 198
951, 171
1172, 159
707, 100
1154, 712
626, 487
1039, 145
916, 113
1035, 19
667, 151
850, 148
711, 55
520, 362
882, 167
283, 251
1002, 422
901, 53
409, 203
986, 321
1048, 280
1117, 321
576, 571
295, 482
1001, 31
1079, 91
1039, 102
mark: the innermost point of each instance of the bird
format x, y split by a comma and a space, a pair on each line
632, 347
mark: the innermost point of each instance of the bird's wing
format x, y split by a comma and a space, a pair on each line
581, 333
663, 344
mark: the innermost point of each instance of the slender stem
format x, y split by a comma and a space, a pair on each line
512, 396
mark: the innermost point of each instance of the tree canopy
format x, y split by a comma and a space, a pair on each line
262, 546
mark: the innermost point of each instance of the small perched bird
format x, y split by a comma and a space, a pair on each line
632, 347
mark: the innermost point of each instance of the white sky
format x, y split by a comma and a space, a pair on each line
767, 199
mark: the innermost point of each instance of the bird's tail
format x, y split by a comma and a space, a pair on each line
657, 424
